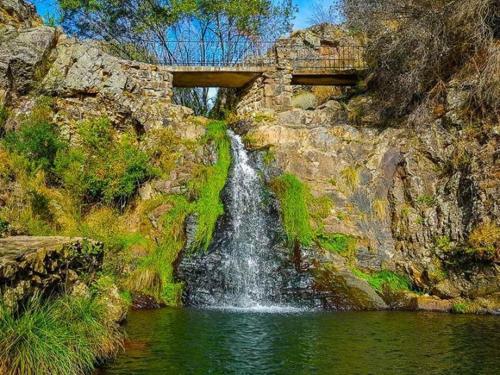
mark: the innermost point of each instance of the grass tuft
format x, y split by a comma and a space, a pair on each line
337, 242
293, 195
384, 278
61, 337
209, 184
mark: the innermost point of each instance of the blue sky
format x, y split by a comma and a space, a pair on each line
49, 8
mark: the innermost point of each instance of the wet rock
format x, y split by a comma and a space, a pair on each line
144, 302
341, 290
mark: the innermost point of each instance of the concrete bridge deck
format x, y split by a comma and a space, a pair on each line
240, 76
237, 76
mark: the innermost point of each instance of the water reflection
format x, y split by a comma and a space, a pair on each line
188, 341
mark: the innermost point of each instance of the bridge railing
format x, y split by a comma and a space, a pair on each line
324, 59
259, 53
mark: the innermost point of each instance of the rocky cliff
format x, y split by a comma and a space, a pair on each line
419, 196
403, 214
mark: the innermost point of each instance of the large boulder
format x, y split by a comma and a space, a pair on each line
24, 59
340, 289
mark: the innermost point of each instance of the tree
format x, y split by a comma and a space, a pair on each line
327, 12
204, 32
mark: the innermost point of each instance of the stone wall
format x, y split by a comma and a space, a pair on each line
317, 45
45, 265
84, 78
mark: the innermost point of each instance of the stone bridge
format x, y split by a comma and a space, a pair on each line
266, 80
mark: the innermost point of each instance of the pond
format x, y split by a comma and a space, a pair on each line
196, 341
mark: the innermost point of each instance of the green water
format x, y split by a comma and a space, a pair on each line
189, 341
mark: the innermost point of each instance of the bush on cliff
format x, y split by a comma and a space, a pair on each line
61, 337
103, 169
37, 141
415, 46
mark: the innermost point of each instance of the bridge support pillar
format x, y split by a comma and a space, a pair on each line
271, 91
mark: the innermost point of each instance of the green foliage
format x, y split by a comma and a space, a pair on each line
61, 337
211, 24
337, 242
208, 185
293, 195
96, 134
103, 169
37, 141
269, 157
463, 306
384, 278
154, 273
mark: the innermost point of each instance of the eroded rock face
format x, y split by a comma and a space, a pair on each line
23, 59
411, 194
17, 14
45, 265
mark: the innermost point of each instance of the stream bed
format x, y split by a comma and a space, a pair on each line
240, 341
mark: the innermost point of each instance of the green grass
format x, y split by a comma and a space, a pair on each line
209, 184
384, 278
153, 275
293, 196
337, 242
61, 337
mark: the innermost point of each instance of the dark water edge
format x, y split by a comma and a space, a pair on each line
192, 341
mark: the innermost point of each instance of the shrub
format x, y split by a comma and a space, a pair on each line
61, 337
293, 195
96, 134
126, 169
70, 166
416, 45
37, 141
103, 169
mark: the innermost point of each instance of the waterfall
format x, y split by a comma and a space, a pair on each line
245, 267
249, 269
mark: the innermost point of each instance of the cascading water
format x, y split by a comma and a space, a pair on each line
245, 266
250, 278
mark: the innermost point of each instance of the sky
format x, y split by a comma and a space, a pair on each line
48, 8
